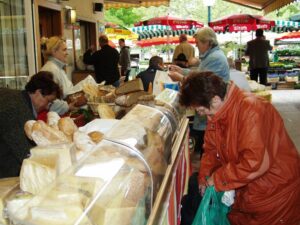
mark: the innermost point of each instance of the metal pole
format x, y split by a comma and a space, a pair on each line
208, 14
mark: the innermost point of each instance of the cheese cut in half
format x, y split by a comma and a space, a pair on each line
38, 172
130, 86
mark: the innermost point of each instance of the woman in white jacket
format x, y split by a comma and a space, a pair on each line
55, 54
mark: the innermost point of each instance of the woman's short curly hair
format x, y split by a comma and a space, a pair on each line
199, 88
206, 34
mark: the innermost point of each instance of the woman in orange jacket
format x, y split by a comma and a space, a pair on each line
246, 149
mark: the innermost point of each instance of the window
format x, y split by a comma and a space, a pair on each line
13, 53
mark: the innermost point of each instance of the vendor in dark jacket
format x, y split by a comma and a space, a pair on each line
105, 62
147, 76
17, 107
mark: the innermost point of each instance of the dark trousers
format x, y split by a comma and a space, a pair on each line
261, 73
125, 73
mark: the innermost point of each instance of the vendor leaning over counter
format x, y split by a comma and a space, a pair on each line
55, 52
246, 149
17, 107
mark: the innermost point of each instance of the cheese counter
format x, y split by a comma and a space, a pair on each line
136, 175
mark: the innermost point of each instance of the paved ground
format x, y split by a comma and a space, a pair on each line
287, 102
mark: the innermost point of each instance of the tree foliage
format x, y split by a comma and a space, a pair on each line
192, 9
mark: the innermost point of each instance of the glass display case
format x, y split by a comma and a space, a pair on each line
118, 181
111, 185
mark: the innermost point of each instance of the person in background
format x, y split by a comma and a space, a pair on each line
246, 149
17, 107
124, 60
181, 61
105, 62
55, 53
257, 50
238, 77
147, 76
212, 59
184, 47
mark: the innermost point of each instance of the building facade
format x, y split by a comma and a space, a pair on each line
26, 24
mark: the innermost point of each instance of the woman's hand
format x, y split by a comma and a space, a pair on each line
210, 181
202, 188
175, 68
175, 76
72, 106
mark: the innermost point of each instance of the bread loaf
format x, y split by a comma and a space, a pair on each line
96, 136
130, 86
28, 128
129, 99
67, 126
52, 119
43, 135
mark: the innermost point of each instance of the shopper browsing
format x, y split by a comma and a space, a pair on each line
17, 107
246, 149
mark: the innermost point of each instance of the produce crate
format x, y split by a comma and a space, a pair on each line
285, 85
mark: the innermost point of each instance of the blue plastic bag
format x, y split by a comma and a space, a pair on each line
211, 210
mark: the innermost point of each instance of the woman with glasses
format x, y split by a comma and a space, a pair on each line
17, 107
212, 59
55, 54
246, 149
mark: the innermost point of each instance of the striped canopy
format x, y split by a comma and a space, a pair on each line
284, 26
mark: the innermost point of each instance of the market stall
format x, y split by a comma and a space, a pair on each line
136, 174
284, 71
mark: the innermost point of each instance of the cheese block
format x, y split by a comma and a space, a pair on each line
105, 111
117, 211
129, 99
130, 86
57, 215
38, 172
7, 185
66, 154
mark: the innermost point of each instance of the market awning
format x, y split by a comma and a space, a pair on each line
145, 32
288, 38
285, 26
108, 4
266, 5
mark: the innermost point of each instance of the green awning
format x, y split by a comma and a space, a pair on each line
285, 26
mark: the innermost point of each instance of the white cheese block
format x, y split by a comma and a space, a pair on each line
38, 172
57, 215
66, 154
7, 185
16, 201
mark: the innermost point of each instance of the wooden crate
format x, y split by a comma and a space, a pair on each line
285, 85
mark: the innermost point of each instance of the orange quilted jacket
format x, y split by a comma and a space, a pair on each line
248, 149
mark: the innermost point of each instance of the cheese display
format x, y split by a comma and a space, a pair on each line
114, 181
111, 185
44, 165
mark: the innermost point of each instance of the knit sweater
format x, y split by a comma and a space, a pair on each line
15, 110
